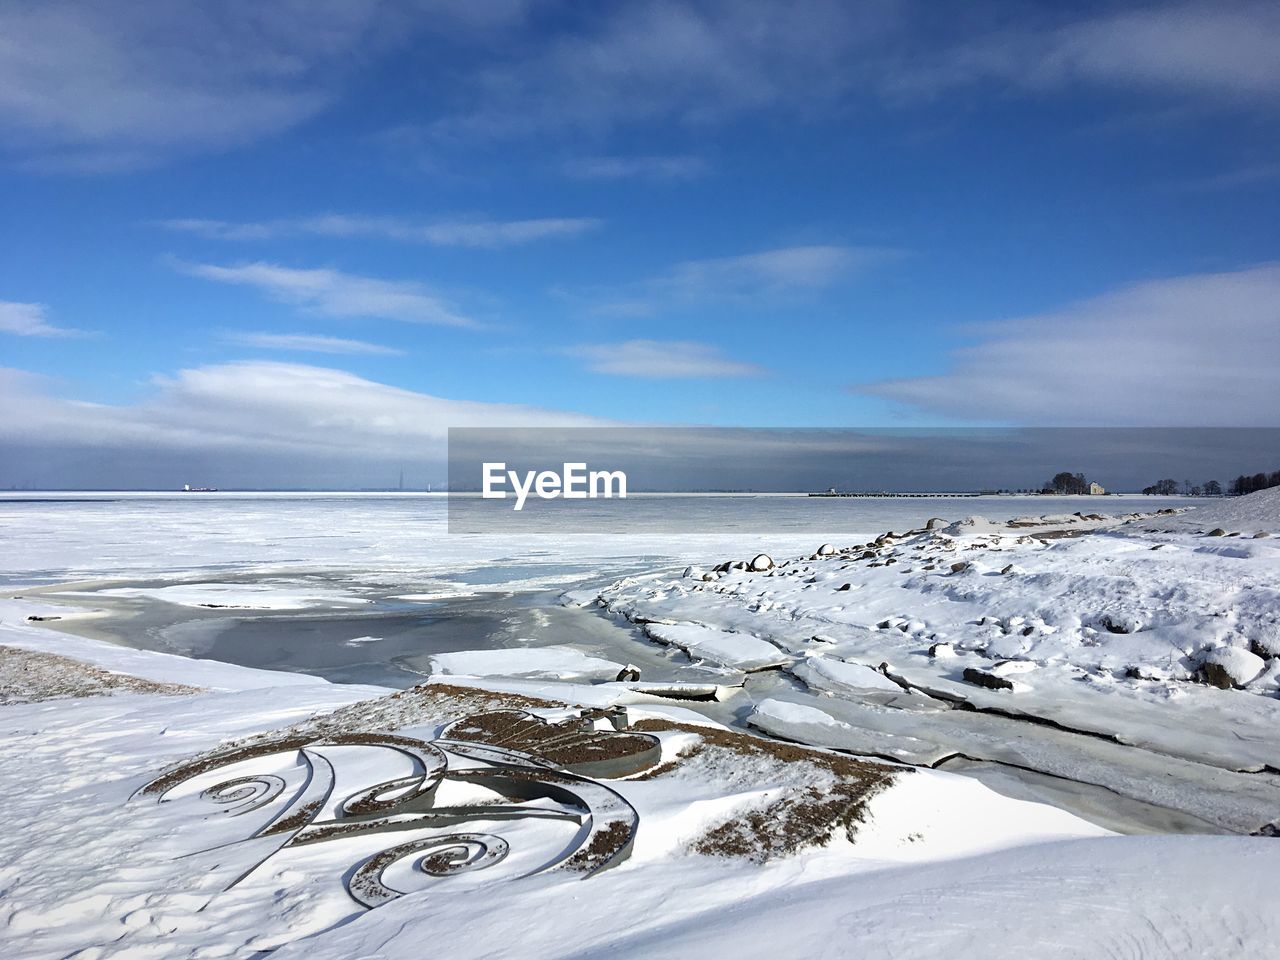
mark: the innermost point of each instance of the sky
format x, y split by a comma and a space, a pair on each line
248, 241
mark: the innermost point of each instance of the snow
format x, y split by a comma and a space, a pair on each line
554, 662
941, 865
246, 596
1252, 513
830, 673
1100, 626
739, 650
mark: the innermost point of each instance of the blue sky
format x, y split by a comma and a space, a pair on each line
351, 225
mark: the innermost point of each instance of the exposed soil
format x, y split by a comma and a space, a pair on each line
27, 676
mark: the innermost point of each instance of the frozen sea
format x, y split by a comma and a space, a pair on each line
367, 587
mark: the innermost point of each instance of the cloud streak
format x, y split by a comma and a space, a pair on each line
31, 320
125, 84
658, 168
662, 360
248, 423
477, 233
1216, 50
332, 293
310, 343
746, 279
1198, 350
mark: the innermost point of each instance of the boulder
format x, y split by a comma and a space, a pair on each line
1227, 667
983, 679
826, 550
1216, 532
960, 567
762, 562
1264, 639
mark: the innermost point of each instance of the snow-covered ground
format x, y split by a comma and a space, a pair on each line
1148, 647
745, 847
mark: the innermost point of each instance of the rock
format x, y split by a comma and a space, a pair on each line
942, 650
1216, 532
738, 565
934, 523
960, 567
630, 673
867, 555
692, 572
843, 587
762, 562
1261, 535
1118, 623
826, 550
38, 619
1007, 569
1227, 667
983, 679
1265, 640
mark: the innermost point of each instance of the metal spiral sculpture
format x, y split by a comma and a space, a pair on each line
524, 759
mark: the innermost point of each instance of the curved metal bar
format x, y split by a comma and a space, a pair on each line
517, 749
455, 853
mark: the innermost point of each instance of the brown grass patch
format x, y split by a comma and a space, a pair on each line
29, 676
353, 723
820, 794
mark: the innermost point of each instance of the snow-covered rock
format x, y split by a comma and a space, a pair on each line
1230, 666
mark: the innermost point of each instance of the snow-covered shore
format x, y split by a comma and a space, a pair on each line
1145, 648
1103, 631
939, 866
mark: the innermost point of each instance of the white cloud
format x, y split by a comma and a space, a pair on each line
332, 293
1218, 50
276, 423
672, 167
662, 360
30, 320
122, 84
1196, 350
746, 279
491, 234
694, 62
309, 343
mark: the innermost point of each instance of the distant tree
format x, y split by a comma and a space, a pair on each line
1242, 484
1162, 488
1212, 488
1197, 491
1066, 482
